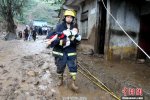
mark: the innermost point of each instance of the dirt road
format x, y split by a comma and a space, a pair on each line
28, 72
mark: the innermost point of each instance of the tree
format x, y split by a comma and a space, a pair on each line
8, 9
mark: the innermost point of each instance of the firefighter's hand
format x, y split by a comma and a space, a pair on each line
72, 37
48, 42
78, 37
62, 42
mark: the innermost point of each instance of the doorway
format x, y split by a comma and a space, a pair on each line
144, 36
101, 27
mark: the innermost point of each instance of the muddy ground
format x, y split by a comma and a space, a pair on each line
28, 72
117, 75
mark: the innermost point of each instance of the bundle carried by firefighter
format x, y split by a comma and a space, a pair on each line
64, 38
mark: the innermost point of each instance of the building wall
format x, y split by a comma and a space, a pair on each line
127, 14
145, 9
117, 44
91, 6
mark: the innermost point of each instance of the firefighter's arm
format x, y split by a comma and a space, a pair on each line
52, 39
56, 40
76, 36
75, 39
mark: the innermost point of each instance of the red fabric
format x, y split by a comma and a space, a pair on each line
61, 36
51, 36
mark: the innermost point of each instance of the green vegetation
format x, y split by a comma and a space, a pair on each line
45, 10
8, 9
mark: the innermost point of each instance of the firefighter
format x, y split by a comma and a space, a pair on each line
66, 55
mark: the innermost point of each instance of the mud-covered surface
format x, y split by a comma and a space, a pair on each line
25, 71
28, 72
118, 75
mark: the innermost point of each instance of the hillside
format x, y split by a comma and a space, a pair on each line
40, 10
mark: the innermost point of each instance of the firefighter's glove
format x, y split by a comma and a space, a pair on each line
62, 42
78, 37
71, 37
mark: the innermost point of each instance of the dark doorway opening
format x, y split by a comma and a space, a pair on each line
101, 27
144, 36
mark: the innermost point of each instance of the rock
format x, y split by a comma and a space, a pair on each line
28, 58
50, 94
47, 71
42, 87
9, 78
27, 93
1, 88
46, 52
5, 71
54, 91
14, 59
17, 92
141, 61
31, 73
45, 66
88, 52
31, 94
16, 79
40, 63
45, 76
37, 83
23, 80
2, 66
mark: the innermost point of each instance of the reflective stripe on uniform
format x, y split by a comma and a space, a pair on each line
61, 42
73, 74
57, 53
72, 54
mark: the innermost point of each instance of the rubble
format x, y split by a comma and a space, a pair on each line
31, 73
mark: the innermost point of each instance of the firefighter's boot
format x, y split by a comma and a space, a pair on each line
74, 86
60, 81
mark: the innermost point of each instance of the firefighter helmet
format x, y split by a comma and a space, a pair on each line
70, 12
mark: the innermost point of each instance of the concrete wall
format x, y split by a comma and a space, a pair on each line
91, 6
127, 14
